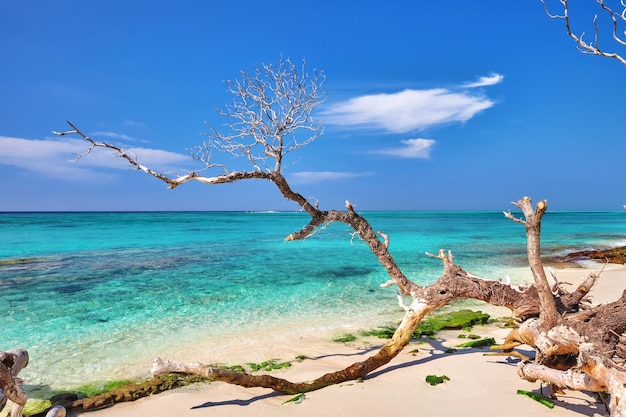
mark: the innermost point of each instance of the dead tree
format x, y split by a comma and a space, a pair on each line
579, 350
576, 347
616, 18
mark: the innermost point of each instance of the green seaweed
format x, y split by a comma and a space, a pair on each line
436, 380
296, 399
480, 343
433, 323
537, 397
270, 365
469, 336
345, 338
508, 322
301, 358
454, 320
383, 332
36, 406
95, 388
235, 368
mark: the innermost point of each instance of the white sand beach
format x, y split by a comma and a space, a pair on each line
478, 385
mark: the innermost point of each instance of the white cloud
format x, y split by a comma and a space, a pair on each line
311, 177
408, 110
54, 158
133, 123
492, 79
113, 135
412, 148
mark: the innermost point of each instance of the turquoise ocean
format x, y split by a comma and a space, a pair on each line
91, 295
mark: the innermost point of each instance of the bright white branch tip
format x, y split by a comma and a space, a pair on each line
385, 239
401, 303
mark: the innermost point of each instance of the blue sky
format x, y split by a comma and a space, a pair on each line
451, 105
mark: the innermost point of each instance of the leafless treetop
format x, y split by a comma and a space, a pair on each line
270, 115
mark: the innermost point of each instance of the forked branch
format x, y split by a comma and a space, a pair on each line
532, 222
618, 23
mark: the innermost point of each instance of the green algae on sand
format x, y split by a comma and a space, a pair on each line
432, 323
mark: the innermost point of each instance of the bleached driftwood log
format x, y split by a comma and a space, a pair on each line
11, 363
574, 349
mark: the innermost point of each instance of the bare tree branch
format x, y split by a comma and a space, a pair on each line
618, 21
269, 110
171, 182
548, 311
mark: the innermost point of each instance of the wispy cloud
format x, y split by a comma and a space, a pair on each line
54, 158
113, 135
311, 177
134, 123
408, 110
411, 148
492, 79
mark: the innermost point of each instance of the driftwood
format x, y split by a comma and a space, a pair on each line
11, 363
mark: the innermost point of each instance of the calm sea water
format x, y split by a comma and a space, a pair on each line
96, 292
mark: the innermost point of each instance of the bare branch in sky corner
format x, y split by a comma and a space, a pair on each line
618, 34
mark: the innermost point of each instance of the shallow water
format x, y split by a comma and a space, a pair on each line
91, 295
